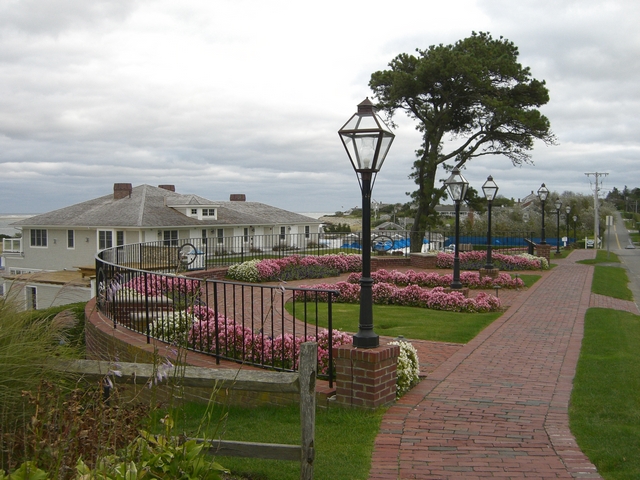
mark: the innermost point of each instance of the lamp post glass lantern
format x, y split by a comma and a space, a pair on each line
558, 205
490, 190
457, 186
543, 193
367, 140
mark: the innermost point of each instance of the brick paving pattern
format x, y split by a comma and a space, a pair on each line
498, 406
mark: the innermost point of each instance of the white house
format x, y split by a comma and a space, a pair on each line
69, 238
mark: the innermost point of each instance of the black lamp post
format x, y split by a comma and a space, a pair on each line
568, 210
543, 193
457, 186
366, 139
575, 223
490, 189
558, 205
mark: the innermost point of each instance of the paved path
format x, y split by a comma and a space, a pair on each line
498, 407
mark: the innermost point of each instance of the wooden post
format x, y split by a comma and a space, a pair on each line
308, 370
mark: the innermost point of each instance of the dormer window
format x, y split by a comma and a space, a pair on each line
208, 212
194, 211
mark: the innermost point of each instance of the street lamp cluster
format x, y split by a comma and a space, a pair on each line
367, 139
543, 194
457, 187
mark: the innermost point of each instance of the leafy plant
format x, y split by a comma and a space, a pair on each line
156, 456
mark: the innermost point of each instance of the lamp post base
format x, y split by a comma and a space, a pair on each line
366, 340
489, 271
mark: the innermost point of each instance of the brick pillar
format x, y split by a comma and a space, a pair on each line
544, 251
366, 377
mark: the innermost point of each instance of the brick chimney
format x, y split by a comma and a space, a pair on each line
171, 188
238, 197
121, 190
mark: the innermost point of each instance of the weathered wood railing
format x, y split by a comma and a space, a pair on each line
302, 382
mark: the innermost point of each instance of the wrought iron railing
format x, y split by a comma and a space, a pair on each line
261, 325
224, 251
158, 290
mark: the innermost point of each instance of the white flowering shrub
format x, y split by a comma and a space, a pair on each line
245, 271
408, 367
533, 258
173, 327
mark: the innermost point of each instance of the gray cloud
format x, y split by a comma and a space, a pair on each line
247, 96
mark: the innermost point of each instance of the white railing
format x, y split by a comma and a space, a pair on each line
12, 245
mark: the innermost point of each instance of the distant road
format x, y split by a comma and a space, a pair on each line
619, 240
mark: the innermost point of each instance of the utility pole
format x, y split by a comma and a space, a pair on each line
596, 203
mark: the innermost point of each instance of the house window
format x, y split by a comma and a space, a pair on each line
105, 239
204, 236
119, 238
220, 234
246, 234
282, 232
306, 231
71, 239
38, 237
208, 212
170, 238
194, 211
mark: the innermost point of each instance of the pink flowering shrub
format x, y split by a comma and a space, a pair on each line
154, 285
477, 259
413, 296
295, 267
242, 343
433, 279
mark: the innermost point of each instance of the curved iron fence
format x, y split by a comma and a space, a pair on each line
158, 289
224, 251
142, 287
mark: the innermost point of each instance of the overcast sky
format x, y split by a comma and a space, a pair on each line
246, 96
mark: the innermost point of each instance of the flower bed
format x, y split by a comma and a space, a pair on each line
477, 259
432, 279
411, 296
152, 285
198, 328
295, 267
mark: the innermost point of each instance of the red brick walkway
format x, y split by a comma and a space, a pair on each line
498, 407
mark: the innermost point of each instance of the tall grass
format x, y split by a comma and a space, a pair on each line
29, 343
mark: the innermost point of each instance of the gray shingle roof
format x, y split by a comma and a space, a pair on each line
147, 207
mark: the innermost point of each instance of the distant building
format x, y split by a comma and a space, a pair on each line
68, 239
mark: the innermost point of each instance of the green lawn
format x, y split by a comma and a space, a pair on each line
607, 280
410, 322
605, 405
343, 439
612, 282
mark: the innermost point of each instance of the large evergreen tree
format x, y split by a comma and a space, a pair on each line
475, 91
